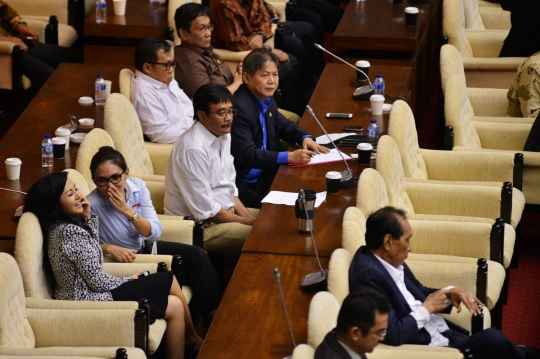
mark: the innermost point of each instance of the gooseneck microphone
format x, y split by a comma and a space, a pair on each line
361, 93
347, 177
316, 281
278, 280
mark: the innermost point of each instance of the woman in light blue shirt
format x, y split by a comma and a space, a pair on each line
129, 225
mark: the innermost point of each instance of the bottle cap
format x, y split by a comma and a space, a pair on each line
379, 75
100, 76
47, 136
373, 121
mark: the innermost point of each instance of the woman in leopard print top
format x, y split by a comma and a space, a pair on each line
72, 244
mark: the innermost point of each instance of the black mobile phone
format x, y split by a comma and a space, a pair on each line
145, 273
353, 128
340, 116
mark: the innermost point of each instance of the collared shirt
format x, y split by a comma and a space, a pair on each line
524, 93
165, 111
114, 228
433, 323
8, 19
353, 354
197, 67
236, 22
200, 178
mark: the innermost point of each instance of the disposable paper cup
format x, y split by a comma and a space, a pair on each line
13, 168
119, 7
411, 14
59, 147
364, 66
364, 152
108, 85
65, 133
333, 181
377, 102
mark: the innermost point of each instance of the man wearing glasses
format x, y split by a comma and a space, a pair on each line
164, 110
200, 177
414, 309
361, 324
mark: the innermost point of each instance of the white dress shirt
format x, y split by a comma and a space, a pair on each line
200, 178
353, 354
433, 323
165, 111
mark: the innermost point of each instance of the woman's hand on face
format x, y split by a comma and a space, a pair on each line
120, 254
118, 200
86, 208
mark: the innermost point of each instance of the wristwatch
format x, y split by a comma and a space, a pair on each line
135, 218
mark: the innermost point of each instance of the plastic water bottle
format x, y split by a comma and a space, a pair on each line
378, 85
47, 152
101, 11
373, 133
100, 90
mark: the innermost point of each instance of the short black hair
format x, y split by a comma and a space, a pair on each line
256, 59
104, 154
188, 12
209, 94
359, 309
384, 221
147, 51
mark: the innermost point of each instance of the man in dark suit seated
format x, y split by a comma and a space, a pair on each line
361, 325
258, 128
413, 316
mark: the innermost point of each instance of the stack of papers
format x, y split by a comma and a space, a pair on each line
289, 198
330, 157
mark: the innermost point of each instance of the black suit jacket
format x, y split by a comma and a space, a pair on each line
366, 270
331, 349
246, 134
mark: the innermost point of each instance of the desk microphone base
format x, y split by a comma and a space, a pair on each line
347, 179
315, 282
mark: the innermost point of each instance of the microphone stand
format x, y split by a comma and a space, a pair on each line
316, 281
347, 177
361, 93
278, 280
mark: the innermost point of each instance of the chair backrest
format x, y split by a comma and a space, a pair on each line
473, 20
29, 256
122, 124
338, 273
322, 317
458, 113
454, 26
173, 5
126, 75
79, 180
15, 330
88, 148
371, 194
391, 170
354, 229
402, 129
451, 64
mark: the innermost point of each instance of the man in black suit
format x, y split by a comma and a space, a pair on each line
258, 128
361, 325
413, 316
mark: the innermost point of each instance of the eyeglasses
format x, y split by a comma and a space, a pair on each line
222, 114
381, 332
202, 29
167, 65
114, 179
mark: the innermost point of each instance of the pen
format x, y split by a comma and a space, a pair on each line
300, 147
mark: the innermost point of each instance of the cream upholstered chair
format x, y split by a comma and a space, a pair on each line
11, 77
485, 17
175, 228
480, 50
37, 332
471, 133
146, 160
38, 287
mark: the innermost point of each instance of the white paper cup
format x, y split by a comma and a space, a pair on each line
377, 102
13, 168
119, 7
108, 85
65, 133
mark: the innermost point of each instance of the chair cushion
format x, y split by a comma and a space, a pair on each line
155, 335
473, 20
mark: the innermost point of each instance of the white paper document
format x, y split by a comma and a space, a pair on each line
323, 140
332, 156
289, 198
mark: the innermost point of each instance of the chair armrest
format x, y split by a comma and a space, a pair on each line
502, 136
177, 230
504, 119
493, 64
457, 200
495, 18
410, 351
6, 47
69, 352
157, 193
488, 102
530, 159
303, 351
145, 258
39, 8
147, 177
39, 26
82, 327
38, 303
463, 319
486, 43
468, 166
159, 155
128, 269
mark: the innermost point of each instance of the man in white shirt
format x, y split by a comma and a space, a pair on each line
164, 110
200, 178
414, 314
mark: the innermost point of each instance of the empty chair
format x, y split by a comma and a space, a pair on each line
485, 17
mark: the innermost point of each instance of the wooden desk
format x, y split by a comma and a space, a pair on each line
250, 322
276, 228
47, 111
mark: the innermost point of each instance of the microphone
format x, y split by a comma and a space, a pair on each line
347, 177
316, 281
278, 280
361, 93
